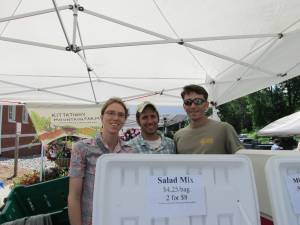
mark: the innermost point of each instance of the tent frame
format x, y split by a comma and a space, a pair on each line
79, 49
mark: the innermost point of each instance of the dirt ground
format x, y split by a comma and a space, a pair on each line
7, 171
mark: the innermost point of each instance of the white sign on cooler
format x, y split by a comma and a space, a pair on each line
175, 196
293, 185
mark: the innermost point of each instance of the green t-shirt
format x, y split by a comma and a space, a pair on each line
211, 138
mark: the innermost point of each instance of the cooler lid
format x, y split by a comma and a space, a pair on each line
161, 189
283, 181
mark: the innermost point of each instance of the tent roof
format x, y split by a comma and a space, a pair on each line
142, 50
285, 126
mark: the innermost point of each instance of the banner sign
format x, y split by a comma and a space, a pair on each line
175, 196
52, 121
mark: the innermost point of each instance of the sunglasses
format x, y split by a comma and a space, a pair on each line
196, 101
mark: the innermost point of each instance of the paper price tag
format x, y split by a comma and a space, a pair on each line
293, 186
176, 196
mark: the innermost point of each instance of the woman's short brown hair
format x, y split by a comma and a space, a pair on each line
114, 100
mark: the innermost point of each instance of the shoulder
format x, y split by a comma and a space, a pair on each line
227, 125
216, 123
229, 128
135, 140
181, 133
81, 148
84, 143
125, 147
182, 130
220, 124
168, 140
136, 143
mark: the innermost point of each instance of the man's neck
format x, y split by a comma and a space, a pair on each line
198, 123
150, 137
110, 140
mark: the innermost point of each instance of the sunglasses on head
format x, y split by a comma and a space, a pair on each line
196, 101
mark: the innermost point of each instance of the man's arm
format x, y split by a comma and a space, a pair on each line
233, 142
74, 200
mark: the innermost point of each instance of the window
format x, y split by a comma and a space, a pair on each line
12, 113
24, 115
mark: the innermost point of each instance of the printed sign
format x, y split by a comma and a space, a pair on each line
53, 121
293, 185
175, 196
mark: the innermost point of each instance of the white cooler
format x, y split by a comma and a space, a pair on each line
283, 180
145, 189
259, 159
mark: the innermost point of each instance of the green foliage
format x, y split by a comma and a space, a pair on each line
40, 123
264, 140
252, 112
27, 179
237, 114
34, 176
292, 90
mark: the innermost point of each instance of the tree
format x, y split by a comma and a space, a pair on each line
237, 114
258, 109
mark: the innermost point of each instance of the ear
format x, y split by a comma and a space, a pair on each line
206, 105
183, 105
138, 121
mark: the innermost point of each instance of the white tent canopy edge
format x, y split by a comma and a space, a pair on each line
64, 52
283, 127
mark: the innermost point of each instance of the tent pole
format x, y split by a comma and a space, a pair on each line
160, 42
227, 58
270, 41
125, 24
35, 13
75, 21
61, 22
33, 43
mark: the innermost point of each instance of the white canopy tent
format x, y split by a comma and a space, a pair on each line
283, 127
85, 51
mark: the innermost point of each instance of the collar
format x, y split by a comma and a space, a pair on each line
118, 148
142, 140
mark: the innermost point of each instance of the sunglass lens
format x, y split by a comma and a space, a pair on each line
198, 101
188, 102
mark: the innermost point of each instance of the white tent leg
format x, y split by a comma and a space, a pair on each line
42, 163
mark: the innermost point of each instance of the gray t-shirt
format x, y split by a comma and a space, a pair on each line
211, 138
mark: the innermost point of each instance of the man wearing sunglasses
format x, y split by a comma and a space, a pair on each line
203, 135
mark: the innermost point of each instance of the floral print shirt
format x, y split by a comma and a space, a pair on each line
83, 165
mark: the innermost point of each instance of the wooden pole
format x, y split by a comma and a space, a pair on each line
18, 133
16, 155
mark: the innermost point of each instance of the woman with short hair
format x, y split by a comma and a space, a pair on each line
84, 156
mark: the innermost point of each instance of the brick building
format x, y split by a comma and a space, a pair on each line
10, 115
